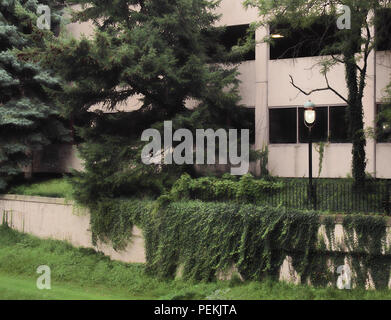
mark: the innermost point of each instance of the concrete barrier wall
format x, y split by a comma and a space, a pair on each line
61, 220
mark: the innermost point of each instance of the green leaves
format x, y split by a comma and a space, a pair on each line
205, 238
245, 189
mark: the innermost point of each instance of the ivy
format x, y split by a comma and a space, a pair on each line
204, 239
112, 220
366, 237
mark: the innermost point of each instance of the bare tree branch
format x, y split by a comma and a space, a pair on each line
319, 89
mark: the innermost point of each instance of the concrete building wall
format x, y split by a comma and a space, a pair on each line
233, 13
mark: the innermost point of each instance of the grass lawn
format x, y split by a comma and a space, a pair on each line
56, 188
24, 288
79, 273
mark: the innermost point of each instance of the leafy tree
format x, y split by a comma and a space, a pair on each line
350, 47
28, 118
164, 51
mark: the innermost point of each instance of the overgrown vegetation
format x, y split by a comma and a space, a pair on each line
199, 240
332, 195
228, 188
204, 238
85, 274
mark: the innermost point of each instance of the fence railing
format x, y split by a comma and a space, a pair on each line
344, 197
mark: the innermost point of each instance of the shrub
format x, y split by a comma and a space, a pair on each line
246, 189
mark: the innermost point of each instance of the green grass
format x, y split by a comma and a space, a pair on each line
24, 288
56, 188
79, 273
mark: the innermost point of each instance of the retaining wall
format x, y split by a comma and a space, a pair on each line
61, 220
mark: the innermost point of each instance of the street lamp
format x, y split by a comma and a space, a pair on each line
277, 36
309, 114
309, 121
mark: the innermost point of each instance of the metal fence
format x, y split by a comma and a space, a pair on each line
343, 197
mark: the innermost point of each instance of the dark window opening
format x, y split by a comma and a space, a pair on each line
383, 127
318, 131
339, 125
283, 124
331, 125
383, 29
245, 119
315, 40
236, 35
228, 38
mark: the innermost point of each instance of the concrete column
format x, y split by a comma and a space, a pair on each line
261, 106
369, 107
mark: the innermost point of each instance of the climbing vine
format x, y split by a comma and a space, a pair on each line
320, 148
201, 240
204, 238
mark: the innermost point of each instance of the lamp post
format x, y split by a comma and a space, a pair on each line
309, 121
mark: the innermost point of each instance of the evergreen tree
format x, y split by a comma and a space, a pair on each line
28, 118
167, 52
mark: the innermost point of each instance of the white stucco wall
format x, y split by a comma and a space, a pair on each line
233, 13
306, 74
291, 160
383, 73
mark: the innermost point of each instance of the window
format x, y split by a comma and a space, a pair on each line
339, 125
244, 119
283, 124
234, 35
286, 125
383, 128
231, 36
383, 29
303, 42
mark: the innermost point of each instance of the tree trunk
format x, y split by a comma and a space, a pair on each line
356, 121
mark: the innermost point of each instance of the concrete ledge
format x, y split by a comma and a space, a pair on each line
338, 218
48, 200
